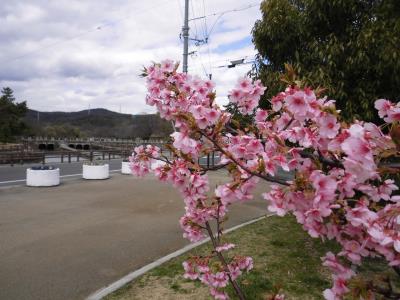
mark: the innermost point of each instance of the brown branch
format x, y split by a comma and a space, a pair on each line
218, 222
288, 124
164, 159
322, 159
231, 130
215, 168
260, 175
221, 258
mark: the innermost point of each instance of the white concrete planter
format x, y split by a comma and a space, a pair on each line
42, 177
95, 171
126, 168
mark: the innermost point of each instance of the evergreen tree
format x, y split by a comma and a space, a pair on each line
350, 47
11, 114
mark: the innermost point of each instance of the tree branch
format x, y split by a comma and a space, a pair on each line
221, 258
215, 168
322, 159
260, 175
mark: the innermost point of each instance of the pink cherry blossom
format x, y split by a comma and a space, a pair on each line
297, 104
324, 185
393, 115
337, 188
246, 95
167, 65
261, 115
383, 106
218, 295
224, 247
328, 125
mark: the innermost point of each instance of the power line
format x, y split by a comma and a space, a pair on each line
180, 9
227, 11
205, 28
224, 63
195, 26
206, 34
96, 28
206, 73
221, 14
199, 42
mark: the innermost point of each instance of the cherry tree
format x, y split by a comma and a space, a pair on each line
339, 188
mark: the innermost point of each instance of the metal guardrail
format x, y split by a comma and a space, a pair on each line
21, 157
64, 156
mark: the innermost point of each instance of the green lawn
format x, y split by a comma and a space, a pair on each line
284, 256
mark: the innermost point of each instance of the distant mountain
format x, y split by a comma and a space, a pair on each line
97, 122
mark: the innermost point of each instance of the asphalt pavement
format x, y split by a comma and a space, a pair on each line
68, 241
16, 175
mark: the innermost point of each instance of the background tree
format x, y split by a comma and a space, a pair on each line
350, 47
63, 131
11, 114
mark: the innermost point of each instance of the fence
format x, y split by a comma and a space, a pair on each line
22, 157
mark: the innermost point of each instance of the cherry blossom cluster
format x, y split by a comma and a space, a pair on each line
388, 111
337, 187
218, 276
246, 95
143, 158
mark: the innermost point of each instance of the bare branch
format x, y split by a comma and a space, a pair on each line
322, 159
269, 178
221, 258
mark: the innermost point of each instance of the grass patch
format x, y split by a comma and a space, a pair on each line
284, 257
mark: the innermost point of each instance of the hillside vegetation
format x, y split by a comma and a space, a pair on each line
96, 123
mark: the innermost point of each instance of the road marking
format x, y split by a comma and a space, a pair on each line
70, 175
105, 291
11, 181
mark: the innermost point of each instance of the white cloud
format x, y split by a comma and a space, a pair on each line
68, 54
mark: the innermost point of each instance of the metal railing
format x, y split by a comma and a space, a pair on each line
22, 157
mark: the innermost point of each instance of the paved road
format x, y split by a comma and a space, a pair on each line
15, 175
68, 241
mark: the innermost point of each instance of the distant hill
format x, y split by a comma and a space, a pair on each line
97, 122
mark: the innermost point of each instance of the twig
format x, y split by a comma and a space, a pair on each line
288, 124
265, 177
218, 223
221, 258
217, 167
322, 159
230, 129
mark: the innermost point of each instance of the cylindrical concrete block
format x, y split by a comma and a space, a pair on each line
42, 177
126, 168
95, 171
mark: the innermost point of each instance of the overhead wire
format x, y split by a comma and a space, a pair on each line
180, 9
207, 32
195, 26
227, 11
222, 63
206, 73
93, 29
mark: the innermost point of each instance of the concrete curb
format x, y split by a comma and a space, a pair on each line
105, 291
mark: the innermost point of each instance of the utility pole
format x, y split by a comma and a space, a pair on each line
185, 34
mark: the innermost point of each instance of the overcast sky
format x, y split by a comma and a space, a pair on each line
65, 55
